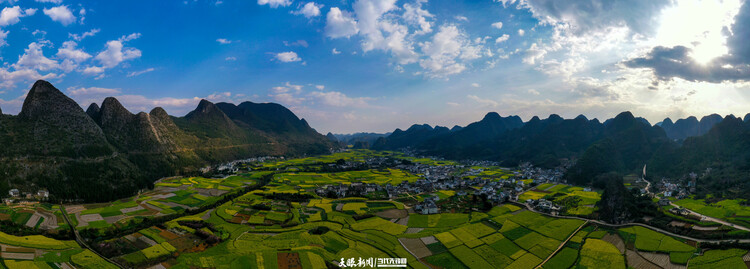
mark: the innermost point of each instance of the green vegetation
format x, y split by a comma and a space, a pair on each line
730, 258
600, 254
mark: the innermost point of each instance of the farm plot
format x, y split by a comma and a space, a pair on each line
600, 254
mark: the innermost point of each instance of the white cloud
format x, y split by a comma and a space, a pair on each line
33, 58
288, 87
320, 87
339, 99
69, 51
475, 85
447, 51
130, 37
12, 15
275, 3
584, 16
4, 35
340, 24
287, 98
60, 14
309, 10
484, 102
93, 70
521, 32
287, 57
532, 91
84, 35
230, 58
92, 91
10, 78
138, 73
49, 1
534, 54
502, 38
224, 41
301, 43
497, 25
334, 51
461, 18
415, 15
115, 53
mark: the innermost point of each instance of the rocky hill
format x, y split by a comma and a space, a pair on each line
108, 151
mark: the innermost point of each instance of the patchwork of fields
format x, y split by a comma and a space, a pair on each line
37, 251
583, 201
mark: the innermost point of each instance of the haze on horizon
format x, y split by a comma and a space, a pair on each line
377, 65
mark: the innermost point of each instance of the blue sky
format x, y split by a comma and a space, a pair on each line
377, 65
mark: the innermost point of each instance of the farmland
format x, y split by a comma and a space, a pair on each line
37, 251
287, 221
170, 196
729, 210
576, 200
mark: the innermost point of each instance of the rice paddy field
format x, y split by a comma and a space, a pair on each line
730, 210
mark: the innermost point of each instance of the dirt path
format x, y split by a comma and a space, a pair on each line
562, 245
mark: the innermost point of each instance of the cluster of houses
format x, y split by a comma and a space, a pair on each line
540, 174
677, 190
13, 194
544, 205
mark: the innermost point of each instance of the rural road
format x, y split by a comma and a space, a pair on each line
703, 217
80, 240
714, 241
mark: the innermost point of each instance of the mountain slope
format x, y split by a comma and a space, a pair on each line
109, 152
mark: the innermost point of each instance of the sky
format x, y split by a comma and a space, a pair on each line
376, 65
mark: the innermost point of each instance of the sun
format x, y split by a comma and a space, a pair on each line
697, 24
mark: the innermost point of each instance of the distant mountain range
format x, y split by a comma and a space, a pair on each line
359, 140
623, 144
108, 151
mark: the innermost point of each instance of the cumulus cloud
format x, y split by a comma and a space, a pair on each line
69, 51
60, 14
447, 52
12, 15
230, 58
309, 10
93, 70
10, 78
49, 1
502, 38
497, 25
275, 3
224, 41
33, 58
340, 24
334, 51
415, 15
287, 57
115, 53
